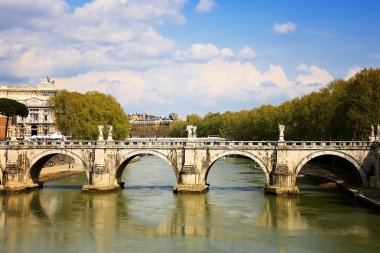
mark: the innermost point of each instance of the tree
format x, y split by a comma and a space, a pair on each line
356, 104
79, 114
11, 108
343, 110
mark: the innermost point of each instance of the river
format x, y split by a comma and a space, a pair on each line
234, 216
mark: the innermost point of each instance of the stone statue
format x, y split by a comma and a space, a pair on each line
282, 130
27, 132
110, 129
100, 133
191, 132
189, 129
372, 136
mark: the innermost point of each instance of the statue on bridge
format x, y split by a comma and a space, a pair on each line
110, 129
191, 132
100, 133
372, 137
282, 129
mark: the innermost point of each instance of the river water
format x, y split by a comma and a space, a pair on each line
234, 216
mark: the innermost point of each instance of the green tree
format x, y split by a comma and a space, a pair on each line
11, 108
357, 104
343, 110
79, 114
178, 129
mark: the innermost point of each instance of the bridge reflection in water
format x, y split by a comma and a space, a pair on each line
229, 218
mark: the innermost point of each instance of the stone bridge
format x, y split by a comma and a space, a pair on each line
189, 158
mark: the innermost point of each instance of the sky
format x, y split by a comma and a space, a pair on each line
188, 56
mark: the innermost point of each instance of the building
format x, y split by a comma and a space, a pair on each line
146, 125
3, 123
146, 119
40, 120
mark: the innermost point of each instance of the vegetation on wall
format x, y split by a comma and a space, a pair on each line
343, 110
79, 115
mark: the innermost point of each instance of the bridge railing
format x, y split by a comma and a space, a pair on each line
180, 142
50, 144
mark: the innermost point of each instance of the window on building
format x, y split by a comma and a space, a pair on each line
34, 116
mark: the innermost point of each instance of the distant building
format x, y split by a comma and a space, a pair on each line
146, 125
40, 120
146, 119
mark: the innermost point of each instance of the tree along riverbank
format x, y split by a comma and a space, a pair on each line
343, 110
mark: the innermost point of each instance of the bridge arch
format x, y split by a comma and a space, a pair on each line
343, 155
127, 158
41, 158
240, 153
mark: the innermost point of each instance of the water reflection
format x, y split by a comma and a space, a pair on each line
283, 213
234, 218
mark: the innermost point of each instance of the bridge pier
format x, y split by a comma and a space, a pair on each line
101, 176
15, 180
189, 178
282, 180
100, 180
189, 181
282, 183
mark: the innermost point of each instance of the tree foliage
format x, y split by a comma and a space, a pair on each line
343, 110
79, 115
11, 108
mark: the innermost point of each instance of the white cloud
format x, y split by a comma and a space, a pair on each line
205, 6
246, 53
207, 84
313, 76
127, 87
116, 47
203, 52
128, 11
284, 28
352, 71
43, 38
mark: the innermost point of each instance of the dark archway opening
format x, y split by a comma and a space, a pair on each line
54, 169
327, 170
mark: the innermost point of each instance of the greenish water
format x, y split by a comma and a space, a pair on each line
234, 216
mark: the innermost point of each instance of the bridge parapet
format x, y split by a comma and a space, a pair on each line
181, 143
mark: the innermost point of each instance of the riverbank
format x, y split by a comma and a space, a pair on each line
369, 197
53, 173
49, 174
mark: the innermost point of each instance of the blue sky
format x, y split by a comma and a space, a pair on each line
192, 56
